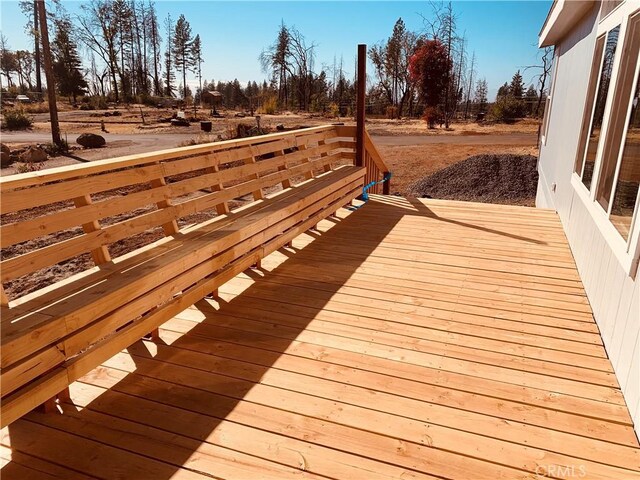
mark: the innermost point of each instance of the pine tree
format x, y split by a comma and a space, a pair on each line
531, 97
66, 61
504, 90
480, 96
183, 50
517, 86
169, 76
197, 58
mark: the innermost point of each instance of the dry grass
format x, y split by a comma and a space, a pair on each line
419, 127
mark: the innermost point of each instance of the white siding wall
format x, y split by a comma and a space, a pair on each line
614, 296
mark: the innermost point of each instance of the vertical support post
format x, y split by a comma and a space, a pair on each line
360, 107
286, 183
223, 207
101, 254
4, 300
258, 194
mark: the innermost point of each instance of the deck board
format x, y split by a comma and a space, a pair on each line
408, 339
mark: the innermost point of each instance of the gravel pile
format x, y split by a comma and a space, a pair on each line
502, 179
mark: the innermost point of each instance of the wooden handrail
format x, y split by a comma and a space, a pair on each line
71, 171
375, 154
376, 168
192, 242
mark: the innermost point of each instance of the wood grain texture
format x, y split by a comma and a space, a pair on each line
360, 362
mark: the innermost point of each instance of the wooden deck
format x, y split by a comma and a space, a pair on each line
410, 339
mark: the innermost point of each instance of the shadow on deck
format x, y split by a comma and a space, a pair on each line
409, 339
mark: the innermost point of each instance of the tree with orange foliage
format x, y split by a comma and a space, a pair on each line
429, 67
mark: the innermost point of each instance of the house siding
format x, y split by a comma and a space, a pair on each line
613, 294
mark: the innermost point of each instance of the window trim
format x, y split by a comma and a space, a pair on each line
546, 115
623, 136
587, 119
627, 251
602, 18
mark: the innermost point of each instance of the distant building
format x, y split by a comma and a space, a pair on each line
590, 165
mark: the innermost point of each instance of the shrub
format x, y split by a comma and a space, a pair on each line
52, 149
507, 109
334, 110
16, 119
432, 115
40, 107
98, 102
269, 106
391, 112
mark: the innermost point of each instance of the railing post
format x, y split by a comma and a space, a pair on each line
360, 106
386, 186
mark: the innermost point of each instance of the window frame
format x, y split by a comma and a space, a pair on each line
590, 105
546, 115
626, 251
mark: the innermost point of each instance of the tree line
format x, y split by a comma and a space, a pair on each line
126, 55
131, 55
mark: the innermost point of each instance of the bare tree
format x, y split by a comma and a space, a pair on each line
32, 27
152, 19
543, 75
25, 67
391, 65
98, 30
301, 65
470, 85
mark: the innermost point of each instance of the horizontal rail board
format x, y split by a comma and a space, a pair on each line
52, 336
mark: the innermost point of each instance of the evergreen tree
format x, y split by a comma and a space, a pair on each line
517, 86
531, 98
183, 50
66, 61
197, 58
480, 96
169, 75
504, 90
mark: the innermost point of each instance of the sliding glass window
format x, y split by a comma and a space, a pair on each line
594, 114
625, 198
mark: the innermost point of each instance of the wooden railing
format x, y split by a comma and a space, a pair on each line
377, 170
162, 229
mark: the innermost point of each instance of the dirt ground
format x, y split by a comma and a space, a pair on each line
132, 119
408, 162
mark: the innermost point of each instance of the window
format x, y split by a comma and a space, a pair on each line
588, 110
607, 165
625, 199
621, 116
544, 128
592, 142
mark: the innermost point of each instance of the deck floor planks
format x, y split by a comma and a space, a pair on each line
396, 354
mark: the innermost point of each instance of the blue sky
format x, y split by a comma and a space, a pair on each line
502, 33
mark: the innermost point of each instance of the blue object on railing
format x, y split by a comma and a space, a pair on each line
365, 191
